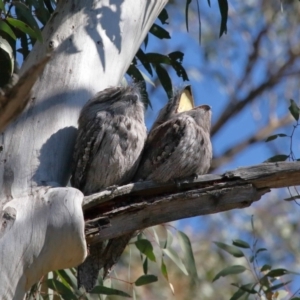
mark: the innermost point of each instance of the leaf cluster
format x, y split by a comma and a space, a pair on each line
268, 282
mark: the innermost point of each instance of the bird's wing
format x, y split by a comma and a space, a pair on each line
161, 144
88, 142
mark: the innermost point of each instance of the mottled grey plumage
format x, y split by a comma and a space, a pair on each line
111, 137
178, 148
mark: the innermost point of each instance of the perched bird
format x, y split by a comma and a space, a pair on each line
178, 147
111, 137
182, 101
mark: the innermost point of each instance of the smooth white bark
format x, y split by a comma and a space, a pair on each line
92, 44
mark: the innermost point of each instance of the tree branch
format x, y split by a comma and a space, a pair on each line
135, 206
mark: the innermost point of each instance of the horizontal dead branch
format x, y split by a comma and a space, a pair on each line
135, 206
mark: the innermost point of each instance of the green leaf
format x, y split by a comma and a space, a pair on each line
145, 266
230, 249
144, 60
163, 269
223, 6
169, 239
146, 248
275, 136
41, 12
2, 7
241, 244
249, 287
159, 32
108, 291
67, 277
260, 250
292, 198
156, 58
145, 279
176, 259
276, 158
277, 273
176, 55
165, 80
24, 13
294, 110
277, 286
146, 41
5, 28
236, 269
188, 2
180, 71
265, 267
188, 256
163, 16
238, 294
61, 289
24, 28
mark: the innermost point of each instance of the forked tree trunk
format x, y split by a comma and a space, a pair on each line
92, 44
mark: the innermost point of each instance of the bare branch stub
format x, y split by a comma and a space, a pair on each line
135, 206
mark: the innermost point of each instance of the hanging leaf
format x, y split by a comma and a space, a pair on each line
60, 288
176, 259
277, 286
223, 6
41, 12
188, 255
248, 288
144, 60
146, 248
292, 198
294, 110
145, 279
275, 136
278, 272
176, 55
260, 250
164, 79
145, 266
275, 158
230, 271
156, 58
188, 2
108, 291
24, 14
24, 28
159, 32
169, 240
238, 294
163, 269
241, 244
6, 28
163, 16
146, 41
67, 278
2, 6
230, 249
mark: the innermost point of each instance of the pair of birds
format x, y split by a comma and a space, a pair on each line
112, 148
